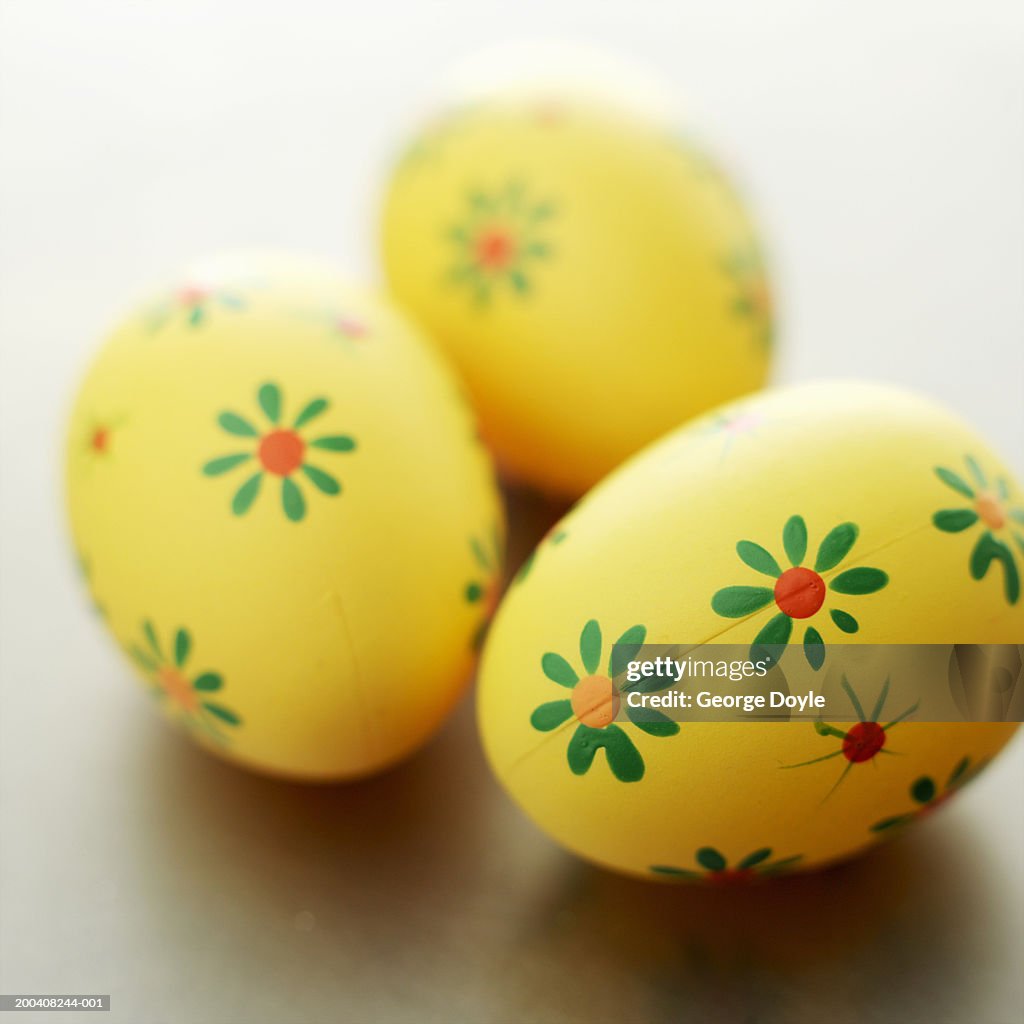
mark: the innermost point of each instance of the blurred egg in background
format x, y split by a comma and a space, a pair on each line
589, 267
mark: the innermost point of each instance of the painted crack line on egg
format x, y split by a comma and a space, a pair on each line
369, 732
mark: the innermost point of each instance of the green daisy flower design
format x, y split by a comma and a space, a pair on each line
280, 452
989, 509
595, 704
800, 591
190, 695
753, 298
716, 870
929, 797
195, 304
499, 241
862, 742
485, 590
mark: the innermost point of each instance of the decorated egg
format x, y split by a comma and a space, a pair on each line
594, 277
284, 515
800, 520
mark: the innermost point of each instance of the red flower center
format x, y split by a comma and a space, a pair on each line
990, 511
863, 741
177, 687
799, 593
351, 327
192, 295
494, 249
731, 876
100, 439
281, 452
595, 701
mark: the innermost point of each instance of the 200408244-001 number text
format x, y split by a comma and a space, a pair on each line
50, 1002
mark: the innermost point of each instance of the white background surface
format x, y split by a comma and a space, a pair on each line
883, 148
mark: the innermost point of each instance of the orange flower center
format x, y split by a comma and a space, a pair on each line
281, 452
100, 439
177, 687
494, 249
595, 701
990, 511
799, 593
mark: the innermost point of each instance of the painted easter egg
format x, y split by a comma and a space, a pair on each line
798, 520
594, 277
284, 514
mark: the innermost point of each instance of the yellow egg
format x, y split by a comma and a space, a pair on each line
929, 550
285, 517
594, 278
